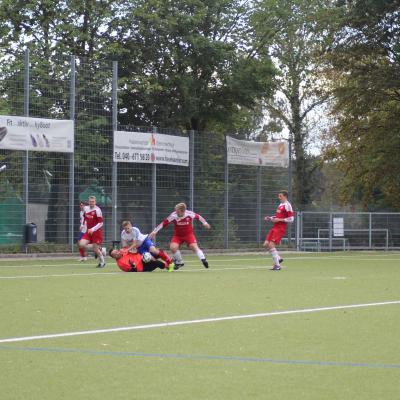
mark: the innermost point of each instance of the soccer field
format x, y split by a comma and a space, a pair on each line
325, 327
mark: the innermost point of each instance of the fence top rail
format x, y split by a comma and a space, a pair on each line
349, 212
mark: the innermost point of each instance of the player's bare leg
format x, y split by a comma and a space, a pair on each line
99, 251
176, 254
270, 246
195, 248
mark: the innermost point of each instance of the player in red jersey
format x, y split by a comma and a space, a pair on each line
284, 214
93, 237
132, 262
183, 233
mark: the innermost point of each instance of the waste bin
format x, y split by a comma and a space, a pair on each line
30, 233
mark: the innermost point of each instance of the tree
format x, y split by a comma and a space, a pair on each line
186, 64
294, 33
365, 80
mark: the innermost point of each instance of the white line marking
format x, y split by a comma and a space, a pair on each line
194, 321
59, 275
260, 257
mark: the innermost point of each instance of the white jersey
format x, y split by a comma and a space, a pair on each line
82, 221
133, 235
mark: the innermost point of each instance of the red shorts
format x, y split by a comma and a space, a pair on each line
275, 234
95, 237
188, 239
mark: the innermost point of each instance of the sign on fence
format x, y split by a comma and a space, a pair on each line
36, 134
153, 148
271, 154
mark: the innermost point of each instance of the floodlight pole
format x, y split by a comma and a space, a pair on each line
154, 190
26, 113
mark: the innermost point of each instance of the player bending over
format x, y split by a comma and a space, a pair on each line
93, 237
284, 214
183, 233
134, 239
132, 262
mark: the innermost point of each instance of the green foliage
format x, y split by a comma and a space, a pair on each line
295, 34
365, 81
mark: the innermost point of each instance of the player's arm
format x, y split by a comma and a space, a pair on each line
202, 220
163, 224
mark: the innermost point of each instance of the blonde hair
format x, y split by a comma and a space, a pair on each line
92, 198
180, 206
126, 223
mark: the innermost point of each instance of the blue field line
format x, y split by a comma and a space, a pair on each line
196, 357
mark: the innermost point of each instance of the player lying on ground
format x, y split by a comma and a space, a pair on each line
134, 239
133, 262
93, 237
284, 214
183, 233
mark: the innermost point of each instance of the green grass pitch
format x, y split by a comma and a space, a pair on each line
344, 353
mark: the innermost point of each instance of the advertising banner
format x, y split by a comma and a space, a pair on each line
152, 148
271, 154
36, 134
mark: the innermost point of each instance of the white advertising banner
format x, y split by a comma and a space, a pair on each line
152, 148
271, 154
36, 134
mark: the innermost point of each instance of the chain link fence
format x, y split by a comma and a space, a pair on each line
45, 188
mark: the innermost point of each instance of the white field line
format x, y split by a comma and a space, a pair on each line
194, 321
201, 269
255, 258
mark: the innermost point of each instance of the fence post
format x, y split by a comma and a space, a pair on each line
26, 158
298, 231
290, 188
258, 212
72, 156
330, 230
370, 231
226, 200
154, 191
191, 171
114, 164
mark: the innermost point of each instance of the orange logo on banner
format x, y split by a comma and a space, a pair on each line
264, 148
152, 140
281, 148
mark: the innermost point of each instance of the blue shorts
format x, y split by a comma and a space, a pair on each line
145, 246
79, 237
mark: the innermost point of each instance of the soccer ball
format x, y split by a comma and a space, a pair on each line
146, 257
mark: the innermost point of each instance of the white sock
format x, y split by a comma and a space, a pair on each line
101, 258
177, 256
200, 254
275, 256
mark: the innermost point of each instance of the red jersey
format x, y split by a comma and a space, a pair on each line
124, 263
183, 226
285, 212
93, 218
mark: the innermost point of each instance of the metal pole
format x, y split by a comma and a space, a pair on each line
290, 171
114, 178
72, 156
191, 172
226, 202
258, 212
26, 113
26, 158
370, 230
330, 230
298, 231
154, 190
